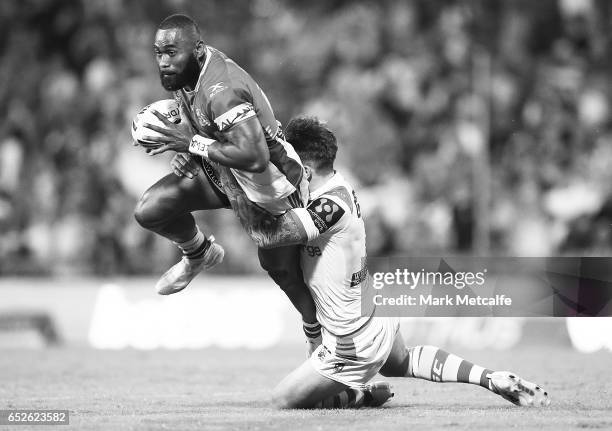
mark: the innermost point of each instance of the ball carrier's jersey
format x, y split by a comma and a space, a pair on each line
224, 96
334, 263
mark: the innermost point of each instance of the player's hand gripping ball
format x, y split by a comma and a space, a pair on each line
169, 108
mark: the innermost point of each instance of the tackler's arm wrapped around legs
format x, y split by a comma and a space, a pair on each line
265, 229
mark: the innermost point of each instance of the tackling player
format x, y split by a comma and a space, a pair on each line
355, 347
232, 125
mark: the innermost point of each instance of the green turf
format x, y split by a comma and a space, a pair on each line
219, 389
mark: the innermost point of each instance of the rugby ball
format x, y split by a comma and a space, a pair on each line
168, 107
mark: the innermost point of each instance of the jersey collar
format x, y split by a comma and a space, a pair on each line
190, 94
206, 63
332, 182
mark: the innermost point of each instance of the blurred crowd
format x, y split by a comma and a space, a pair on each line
467, 126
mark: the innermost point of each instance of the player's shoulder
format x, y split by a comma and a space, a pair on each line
214, 76
339, 191
332, 206
340, 194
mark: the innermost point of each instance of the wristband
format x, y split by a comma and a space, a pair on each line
199, 145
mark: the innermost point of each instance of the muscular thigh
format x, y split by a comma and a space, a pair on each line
178, 195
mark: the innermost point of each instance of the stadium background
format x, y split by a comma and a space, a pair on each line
468, 128
413, 89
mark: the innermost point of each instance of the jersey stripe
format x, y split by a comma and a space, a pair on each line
342, 193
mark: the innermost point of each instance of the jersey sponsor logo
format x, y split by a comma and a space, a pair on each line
324, 213
216, 88
235, 115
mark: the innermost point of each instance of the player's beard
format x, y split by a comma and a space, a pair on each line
187, 76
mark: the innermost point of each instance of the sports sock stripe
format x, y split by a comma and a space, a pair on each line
313, 335
415, 354
193, 243
475, 374
311, 325
198, 252
484, 382
451, 368
426, 359
312, 330
438, 364
463, 374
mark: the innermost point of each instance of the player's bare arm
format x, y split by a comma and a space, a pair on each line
273, 232
241, 147
266, 230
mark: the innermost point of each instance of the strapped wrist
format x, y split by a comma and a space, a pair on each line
199, 145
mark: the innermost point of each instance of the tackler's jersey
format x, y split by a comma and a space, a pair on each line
226, 95
334, 262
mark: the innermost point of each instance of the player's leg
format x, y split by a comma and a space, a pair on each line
305, 388
436, 365
283, 263
283, 266
166, 210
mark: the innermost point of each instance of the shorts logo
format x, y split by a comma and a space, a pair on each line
217, 88
322, 353
338, 366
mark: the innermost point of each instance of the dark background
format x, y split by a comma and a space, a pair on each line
467, 127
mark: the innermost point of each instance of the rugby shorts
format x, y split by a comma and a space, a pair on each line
355, 359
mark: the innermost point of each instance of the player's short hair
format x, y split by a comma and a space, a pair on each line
182, 22
313, 141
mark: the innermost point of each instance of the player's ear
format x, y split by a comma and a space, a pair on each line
308, 171
199, 49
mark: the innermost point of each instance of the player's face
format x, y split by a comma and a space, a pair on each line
176, 59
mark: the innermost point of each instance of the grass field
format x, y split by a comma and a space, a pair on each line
221, 389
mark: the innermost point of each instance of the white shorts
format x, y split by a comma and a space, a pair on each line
276, 206
354, 360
